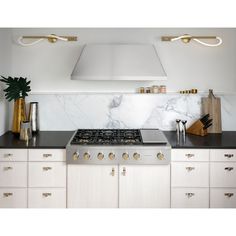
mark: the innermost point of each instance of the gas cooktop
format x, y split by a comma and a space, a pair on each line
107, 137
118, 137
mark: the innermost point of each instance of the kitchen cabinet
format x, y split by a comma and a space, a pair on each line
223, 178
123, 186
144, 186
32, 178
190, 178
92, 186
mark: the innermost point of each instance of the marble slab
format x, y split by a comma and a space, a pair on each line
73, 111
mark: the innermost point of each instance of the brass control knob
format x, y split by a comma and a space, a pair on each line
125, 156
86, 156
76, 156
160, 156
100, 156
136, 156
111, 156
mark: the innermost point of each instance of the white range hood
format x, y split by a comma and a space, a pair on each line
118, 62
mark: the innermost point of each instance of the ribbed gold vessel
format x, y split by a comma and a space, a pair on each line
19, 115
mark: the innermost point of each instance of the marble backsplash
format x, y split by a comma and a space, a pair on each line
73, 111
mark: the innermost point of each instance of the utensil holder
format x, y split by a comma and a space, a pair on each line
197, 129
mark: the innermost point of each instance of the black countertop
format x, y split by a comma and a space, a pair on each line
59, 139
225, 140
43, 139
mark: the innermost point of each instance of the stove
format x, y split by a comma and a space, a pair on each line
118, 146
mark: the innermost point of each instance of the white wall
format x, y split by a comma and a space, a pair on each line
187, 66
5, 60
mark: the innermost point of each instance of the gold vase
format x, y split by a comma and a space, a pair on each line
19, 115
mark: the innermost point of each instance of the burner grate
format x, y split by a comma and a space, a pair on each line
107, 137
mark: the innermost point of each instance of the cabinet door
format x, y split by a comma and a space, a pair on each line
92, 186
144, 186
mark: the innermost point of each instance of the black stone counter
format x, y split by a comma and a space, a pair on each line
44, 139
59, 139
225, 140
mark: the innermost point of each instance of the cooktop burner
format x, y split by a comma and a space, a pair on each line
107, 137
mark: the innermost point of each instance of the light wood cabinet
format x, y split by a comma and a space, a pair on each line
47, 197
47, 174
92, 186
13, 197
190, 198
144, 186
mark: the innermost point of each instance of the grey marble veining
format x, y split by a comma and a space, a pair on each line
70, 112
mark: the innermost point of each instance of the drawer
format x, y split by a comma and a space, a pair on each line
190, 174
13, 198
223, 155
47, 198
190, 197
13, 154
13, 174
222, 174
223, 197
47, 174
190, 155
47, 155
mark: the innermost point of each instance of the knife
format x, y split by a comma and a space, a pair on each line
204, 119
207, 126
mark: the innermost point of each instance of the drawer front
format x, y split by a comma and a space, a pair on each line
47, 174
189, 174
47, 155
223, 197
226, 155
222, 174
13, 154
13, 198
190, 197
47, 198
190, 155
13, 174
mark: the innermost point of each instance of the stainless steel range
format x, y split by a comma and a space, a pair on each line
118, 146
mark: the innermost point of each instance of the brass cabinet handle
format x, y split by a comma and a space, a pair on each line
229, 195
7, 194
189, 155
46, 155
113, 172
229, 155
124, 171
46, 194
7, 155
8, 168
189, 168
46, 168
229, 168
189, 195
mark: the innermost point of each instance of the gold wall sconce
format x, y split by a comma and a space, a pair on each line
186, 38
52, 38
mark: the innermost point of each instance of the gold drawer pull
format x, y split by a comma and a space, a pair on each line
229, 195
46, 194
7, 155
7, 194
189, 155
46, 155
190, 168
113, 172
124, 171
46, 168
229, 155
229, 168
8, 168
189, 195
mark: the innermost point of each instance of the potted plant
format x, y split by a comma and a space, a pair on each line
17, 89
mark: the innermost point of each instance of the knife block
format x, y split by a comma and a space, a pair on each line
197, 129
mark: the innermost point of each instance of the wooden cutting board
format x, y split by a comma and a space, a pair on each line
212, 105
